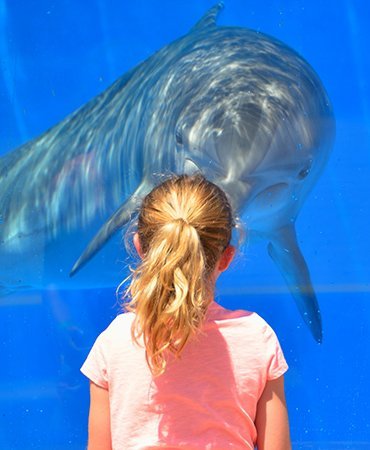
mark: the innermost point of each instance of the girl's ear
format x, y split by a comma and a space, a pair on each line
137, 245
226, 258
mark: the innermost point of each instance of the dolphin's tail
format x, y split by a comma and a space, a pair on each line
118, 219
285, 252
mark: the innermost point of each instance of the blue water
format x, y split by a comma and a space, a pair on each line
54, 57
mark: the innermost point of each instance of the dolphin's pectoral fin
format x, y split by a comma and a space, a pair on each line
209, 19
285, 252
114, 223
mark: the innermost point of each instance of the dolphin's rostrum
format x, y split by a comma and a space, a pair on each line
240, 106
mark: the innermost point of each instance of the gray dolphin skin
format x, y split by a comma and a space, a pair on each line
238, 105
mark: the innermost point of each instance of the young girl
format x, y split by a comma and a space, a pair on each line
178, 370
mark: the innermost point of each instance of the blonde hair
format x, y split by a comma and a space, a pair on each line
184, 225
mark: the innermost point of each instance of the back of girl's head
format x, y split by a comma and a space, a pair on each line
184, 225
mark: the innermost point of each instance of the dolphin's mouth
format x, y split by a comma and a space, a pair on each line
190, 167
207, 165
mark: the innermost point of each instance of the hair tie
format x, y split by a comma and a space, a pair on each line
181, 219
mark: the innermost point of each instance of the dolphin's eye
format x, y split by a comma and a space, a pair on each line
304, 172
178, 137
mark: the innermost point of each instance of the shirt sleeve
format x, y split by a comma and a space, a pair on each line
95, 366
276, 363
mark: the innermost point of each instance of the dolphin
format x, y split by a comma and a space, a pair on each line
239, 106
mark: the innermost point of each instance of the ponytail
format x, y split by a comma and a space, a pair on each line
170, 289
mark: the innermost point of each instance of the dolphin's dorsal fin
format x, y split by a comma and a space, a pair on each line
209, 19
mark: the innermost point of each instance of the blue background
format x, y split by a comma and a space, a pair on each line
55, 56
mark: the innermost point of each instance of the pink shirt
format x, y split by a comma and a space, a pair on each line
205, 400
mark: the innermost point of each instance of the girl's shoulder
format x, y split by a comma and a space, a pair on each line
120, 326
216, 312
240, 322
